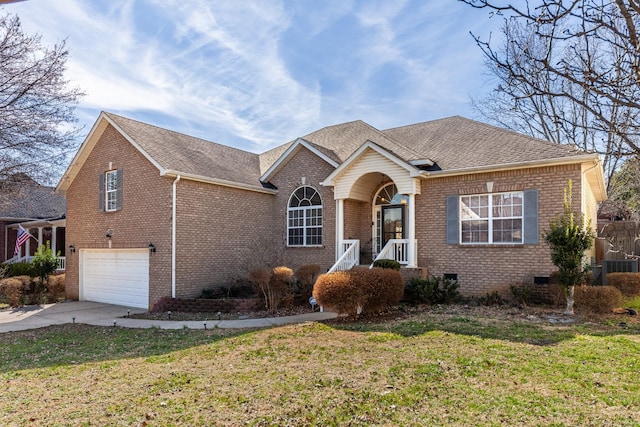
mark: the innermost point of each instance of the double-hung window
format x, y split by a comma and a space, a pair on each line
110, 191
304, 218
492, 218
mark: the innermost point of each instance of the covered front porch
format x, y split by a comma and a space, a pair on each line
43, 231
375, 196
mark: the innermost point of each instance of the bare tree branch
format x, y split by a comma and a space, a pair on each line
37, 120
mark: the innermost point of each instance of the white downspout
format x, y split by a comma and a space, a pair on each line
173, 236
339, 228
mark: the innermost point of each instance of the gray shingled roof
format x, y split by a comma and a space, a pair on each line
346, 138
453, 143
189, 155
26, 199
459, 143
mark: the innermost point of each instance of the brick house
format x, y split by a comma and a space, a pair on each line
154, 213
35, 207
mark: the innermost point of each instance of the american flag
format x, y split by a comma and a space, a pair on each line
23, 236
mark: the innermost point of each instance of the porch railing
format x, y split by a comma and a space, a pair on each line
396, 249
62, 261
350, 256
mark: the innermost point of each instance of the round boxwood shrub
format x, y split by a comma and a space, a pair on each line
627, 283
387, 263
359, 290
338, 292
597, 299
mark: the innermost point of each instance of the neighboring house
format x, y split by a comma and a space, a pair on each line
154, 213
37, 209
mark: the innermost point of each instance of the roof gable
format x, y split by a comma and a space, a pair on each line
290, 153
173, 153
368, 145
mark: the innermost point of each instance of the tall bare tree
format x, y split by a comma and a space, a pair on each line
568, 71
37, 121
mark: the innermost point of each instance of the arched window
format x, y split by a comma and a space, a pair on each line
304, 218
388, 195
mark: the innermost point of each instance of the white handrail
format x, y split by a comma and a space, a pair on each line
350, 256
396, 249
62, 261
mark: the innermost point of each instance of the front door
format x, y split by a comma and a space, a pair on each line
392, 223
389, 225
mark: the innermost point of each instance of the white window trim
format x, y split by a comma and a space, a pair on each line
490, 219
306, 210
108, 192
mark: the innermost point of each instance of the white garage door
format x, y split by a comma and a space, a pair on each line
115, 276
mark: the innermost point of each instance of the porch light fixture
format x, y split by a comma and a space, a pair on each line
72, 248
152, 248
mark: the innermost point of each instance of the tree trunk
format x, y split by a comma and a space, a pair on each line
570, 293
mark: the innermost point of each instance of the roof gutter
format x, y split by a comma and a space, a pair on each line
511, 166
222, 182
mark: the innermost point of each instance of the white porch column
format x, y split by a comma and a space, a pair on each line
339, 227
54, 240
27, 245
412, 262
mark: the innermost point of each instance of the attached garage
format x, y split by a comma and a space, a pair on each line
115, 276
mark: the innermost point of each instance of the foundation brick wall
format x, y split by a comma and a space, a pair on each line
305, 164
145, 216
487, 268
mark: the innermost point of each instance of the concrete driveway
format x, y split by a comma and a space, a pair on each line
98, 314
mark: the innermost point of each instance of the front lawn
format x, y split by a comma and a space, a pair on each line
449, 366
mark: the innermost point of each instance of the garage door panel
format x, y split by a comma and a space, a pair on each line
116, 277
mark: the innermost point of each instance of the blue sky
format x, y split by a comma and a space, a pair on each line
254, 74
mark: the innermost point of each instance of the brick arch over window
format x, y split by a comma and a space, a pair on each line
304, 218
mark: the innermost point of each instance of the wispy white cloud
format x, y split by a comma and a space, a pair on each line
255, 74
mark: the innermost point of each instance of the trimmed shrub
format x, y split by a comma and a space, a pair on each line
27, 282
55, 286
597, 299
242, 288
418, 291
359, 290
627, 283
11, 290
387, 263
434, 290
20, 269
383, 287
274, 286
306, 276
338, 292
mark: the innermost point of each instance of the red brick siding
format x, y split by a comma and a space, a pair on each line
308, 165
145, 217
222, 234
483, 269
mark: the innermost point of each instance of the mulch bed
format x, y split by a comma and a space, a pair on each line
533, 314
